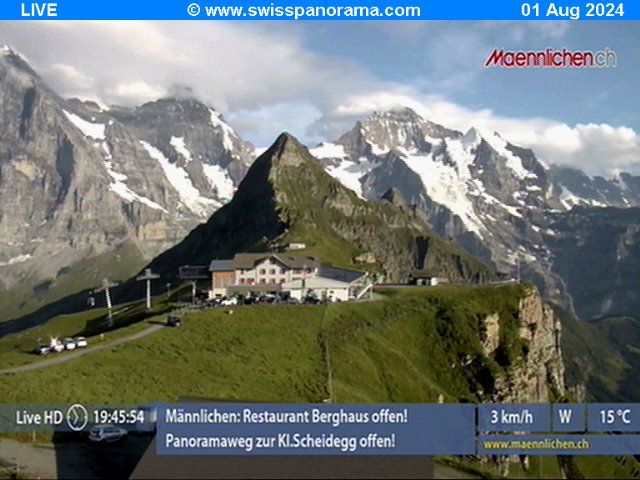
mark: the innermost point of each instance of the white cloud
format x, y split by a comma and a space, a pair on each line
135, 93
266, 78
232, 65
70, 77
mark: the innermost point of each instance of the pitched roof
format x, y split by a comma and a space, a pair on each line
290, 260
221, 266
341, 274
424, 273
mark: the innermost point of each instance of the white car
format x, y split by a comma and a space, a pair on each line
106, 433
69, 344
81, 342
228, 302
56, 346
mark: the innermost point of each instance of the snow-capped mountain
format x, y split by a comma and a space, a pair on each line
578, 189
494, 198
78, 180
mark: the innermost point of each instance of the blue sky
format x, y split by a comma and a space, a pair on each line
315, 79
433, 52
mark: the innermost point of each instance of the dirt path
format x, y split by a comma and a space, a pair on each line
28, 460
67, 356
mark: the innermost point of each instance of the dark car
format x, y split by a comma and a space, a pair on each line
42, 350
312, 300
173, 321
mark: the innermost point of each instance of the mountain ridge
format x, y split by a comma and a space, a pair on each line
287, 196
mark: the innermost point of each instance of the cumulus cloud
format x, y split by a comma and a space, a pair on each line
267, 78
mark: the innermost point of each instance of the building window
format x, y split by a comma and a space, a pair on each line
262, 271
272, 271
241, 280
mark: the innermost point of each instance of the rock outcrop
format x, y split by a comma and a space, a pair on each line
538, 376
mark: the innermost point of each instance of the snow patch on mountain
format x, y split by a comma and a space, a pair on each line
118, 185
328, 150
499, 144
377, 149
179, 179
451, 185
569, 199
227, 131
494, 201
88, 129
220, 181
14, 260
349, 173
179, 146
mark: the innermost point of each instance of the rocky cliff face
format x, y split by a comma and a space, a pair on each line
597, 253
538, 376
79, 183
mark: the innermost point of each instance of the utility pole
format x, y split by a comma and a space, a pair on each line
304, 281
107, 285
147, 276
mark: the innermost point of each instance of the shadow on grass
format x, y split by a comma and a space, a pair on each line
77, 303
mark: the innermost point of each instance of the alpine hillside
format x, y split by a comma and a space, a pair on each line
287, 196
88, 191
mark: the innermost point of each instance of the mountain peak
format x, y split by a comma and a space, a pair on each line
472, 138
15, 58
400, 114
285, 151
7, 50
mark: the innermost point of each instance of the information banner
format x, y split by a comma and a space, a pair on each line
574, 10
312, 429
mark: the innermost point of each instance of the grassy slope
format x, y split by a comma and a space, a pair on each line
25, 299
404, 344
396, 350
16, 349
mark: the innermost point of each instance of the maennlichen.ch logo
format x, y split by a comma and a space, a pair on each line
552, 58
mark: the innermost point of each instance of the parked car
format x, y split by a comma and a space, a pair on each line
81, 342
56, 346
42, 350
312, 299
173, 321
69, 344
228, 302
251, 299
106, 433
